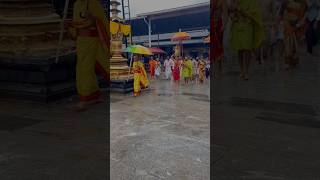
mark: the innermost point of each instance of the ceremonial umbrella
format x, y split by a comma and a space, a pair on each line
157, 50
181, 36
137, 49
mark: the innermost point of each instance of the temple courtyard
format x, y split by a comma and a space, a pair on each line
264, 128
268, 127
164, 134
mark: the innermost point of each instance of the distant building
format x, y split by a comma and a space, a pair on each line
194, 19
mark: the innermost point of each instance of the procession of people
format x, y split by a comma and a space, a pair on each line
255, 29
184, 70
251, 29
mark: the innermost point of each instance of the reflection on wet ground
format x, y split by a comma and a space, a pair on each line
164, 134
267, 127
50, 141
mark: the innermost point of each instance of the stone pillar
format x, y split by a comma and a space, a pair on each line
119, 69
29, 29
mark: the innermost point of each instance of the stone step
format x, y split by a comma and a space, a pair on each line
37, 92
52, 18
121, 86
12, 4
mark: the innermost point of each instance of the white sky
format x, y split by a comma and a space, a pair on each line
143, 6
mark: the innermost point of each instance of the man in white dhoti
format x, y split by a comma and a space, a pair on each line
168, 65
194, 69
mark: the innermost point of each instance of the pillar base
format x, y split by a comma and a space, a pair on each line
121, 86
38, 80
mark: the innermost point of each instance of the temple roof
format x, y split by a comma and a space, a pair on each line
191, 9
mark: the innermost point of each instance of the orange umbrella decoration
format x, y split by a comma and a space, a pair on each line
181, 36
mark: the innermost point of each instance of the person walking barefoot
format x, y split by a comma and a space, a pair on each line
246, 33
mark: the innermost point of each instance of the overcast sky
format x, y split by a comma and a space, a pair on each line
143, 6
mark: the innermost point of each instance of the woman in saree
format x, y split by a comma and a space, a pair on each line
139, 75
202, 70
218, 22
187, 70
180, 59
246, 33
89, 29
176, 70
152, 67
292, 17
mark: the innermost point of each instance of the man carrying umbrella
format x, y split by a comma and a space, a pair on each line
139, 72
139, 75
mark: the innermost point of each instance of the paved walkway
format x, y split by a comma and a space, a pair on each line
164, 134
268, 127
49, 141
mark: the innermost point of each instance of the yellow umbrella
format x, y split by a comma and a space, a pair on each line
138, 49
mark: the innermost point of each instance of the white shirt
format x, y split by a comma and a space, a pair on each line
194, 64
168, 64
171, 63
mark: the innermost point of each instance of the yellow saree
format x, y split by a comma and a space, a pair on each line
247, 30
140, 77
90, 24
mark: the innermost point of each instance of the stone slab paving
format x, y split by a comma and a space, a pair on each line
56, 144
268, 127
164, 134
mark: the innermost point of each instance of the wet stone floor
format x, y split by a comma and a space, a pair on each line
164, 134
267, 128
49, 141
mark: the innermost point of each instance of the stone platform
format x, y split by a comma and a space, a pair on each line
38, 79
121, 86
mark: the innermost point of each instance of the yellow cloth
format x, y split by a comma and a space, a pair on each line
202, 70
177, 50
91, 52
116, 27
247, 30
126, 29
187, 69
140, 76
